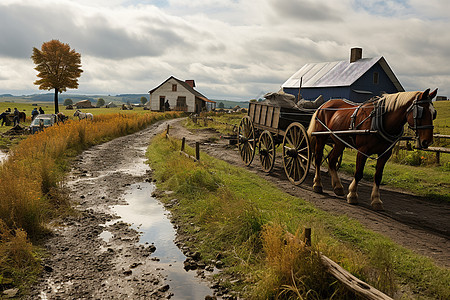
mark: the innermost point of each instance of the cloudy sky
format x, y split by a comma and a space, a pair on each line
233, 49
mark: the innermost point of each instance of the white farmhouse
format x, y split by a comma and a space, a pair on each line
180, 96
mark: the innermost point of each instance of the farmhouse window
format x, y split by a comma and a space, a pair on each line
174, 87
375, 77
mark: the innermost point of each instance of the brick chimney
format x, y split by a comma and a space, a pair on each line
355, 54
190, 82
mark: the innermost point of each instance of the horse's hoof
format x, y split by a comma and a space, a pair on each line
352, 199
318, 189
377, 206
339, 191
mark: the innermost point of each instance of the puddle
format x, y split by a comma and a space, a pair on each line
148, 216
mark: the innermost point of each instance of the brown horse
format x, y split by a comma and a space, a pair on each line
380, 123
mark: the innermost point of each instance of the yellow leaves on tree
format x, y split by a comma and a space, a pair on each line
59, 67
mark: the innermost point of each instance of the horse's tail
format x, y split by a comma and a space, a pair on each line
311, 129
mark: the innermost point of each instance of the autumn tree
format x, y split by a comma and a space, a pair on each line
59, 67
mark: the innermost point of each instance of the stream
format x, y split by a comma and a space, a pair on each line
148, 216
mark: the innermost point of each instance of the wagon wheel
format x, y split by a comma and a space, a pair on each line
246, 140
296, 153
266, 147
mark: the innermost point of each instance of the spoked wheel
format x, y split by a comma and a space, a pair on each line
296, 153
266, 147
246, 140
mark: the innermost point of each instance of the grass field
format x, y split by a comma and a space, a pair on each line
6, 143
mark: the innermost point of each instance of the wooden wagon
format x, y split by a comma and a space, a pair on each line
266, 127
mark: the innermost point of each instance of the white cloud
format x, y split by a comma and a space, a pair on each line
233, 49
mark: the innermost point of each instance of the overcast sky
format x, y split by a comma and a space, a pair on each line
235, 49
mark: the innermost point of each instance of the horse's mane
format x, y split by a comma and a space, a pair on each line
394, 101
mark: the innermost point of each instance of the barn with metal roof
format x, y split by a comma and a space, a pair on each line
358, 79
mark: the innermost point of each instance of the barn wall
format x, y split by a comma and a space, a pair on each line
365, 83
166, 91
327, 93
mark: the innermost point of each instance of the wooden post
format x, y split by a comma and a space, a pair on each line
438, 158
167, 132
183, 142
307, 240
197, 150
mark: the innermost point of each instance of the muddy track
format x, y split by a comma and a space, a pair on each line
82, 265
411, 221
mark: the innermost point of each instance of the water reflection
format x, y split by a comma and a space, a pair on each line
147, 215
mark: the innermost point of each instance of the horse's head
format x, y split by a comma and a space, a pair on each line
76, 113
420, 118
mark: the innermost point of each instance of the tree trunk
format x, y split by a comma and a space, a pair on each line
56, 101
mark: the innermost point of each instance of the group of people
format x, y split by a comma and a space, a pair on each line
35, 112
16, 115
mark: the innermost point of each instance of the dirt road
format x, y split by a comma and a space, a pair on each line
411, 221
81, 264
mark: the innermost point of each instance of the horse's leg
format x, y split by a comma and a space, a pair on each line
376, 203
352, 196
332, 162
320, 144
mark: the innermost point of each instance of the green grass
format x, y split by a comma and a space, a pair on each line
229, 211
442, 122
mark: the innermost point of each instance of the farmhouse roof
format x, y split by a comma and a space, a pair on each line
338, 73
187, 86
83, 102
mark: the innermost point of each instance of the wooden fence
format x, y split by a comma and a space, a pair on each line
359, 287
183, 145
439, 150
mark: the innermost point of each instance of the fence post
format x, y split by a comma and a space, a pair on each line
183, 141
197, 150
307, 237
167, 132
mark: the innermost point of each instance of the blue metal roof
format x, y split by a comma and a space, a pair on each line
339, 73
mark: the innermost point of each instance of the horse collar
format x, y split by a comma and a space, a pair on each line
377, 123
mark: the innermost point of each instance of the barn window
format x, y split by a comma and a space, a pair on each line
375, 77
174, 87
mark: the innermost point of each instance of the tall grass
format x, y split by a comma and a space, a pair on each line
30, 180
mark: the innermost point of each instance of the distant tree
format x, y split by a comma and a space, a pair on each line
253, 100
59, 67
100, 102
221, 105
143, 100
68, 101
